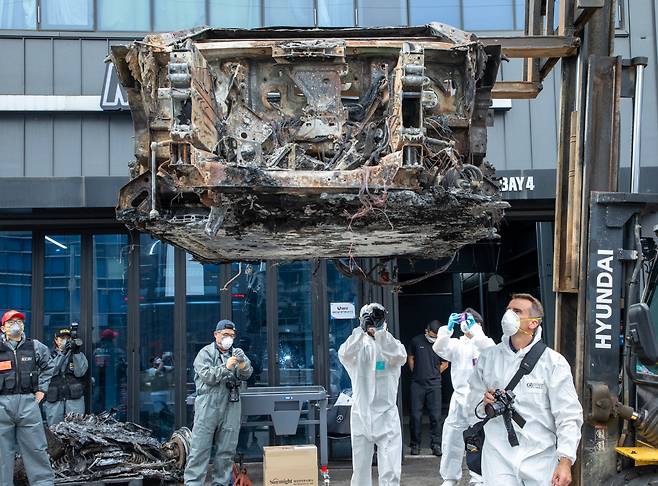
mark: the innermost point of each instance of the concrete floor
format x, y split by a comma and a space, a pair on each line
422, 470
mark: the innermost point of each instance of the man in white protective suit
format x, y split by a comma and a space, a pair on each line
545, 398
373, 358
462, 353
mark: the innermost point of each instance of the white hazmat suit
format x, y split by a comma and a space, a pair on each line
546, 399
373, 365
463, 355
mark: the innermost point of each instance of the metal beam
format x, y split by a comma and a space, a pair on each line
535, 46
517, 90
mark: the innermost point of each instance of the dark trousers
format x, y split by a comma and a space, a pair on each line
428, 396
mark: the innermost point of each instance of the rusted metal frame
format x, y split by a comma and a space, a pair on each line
533, 27
512, 46
585, 9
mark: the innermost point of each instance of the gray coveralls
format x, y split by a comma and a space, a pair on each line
214, 417
56, 411
21, 425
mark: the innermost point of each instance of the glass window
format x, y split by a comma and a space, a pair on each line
67, 14
178, 14
203, 304
374, 13
289, 13
16, 273
336, 13
426, 11
109, 332
156, 337
124, 15
18, 14
344, 290
249, 311
228, 13
295, 358
61, 284
520, 14
488, 15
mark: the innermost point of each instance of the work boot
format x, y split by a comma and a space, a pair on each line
436, 450
415, 450
449, 482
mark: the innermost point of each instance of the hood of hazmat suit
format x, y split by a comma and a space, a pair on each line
546, 399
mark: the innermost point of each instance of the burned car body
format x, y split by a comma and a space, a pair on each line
292, 144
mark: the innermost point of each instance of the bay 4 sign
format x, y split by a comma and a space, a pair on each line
517, 183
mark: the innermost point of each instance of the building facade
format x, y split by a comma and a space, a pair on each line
64, 258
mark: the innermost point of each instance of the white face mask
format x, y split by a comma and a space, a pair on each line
510, 323
15, 330
430, 338
226, 342
464, 326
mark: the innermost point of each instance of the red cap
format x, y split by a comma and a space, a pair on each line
11, 314
109, 334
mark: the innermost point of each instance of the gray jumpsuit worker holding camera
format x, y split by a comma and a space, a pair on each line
66, 391
219, 370
25, 371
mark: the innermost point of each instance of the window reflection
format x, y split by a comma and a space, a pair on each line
109, 365
335, 13
67, 14
124, 15
289, 13
18, 14
203, 306
156, 325
178, 14
228, 13
295, 358
426, 11
382, 12
61, 284
488, 14
340, 289
249, 307
16, 273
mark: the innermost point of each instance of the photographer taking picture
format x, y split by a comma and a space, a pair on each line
219, 370
537, 407
66, 390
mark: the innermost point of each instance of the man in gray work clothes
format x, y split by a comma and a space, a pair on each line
25, 372
219, 370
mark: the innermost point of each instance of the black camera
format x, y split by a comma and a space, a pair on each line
503, 405
75, 340
233, 385
504, 401
374, 318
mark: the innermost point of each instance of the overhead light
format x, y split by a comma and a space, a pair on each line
55, 242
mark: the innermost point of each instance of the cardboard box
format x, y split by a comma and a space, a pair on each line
290, 466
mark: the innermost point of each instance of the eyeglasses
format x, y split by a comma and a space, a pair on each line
14, 321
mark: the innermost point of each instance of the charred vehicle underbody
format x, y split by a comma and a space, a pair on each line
293, 144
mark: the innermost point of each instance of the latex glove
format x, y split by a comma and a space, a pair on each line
453, 320
239, 355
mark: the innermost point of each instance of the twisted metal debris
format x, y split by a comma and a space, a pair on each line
99, 447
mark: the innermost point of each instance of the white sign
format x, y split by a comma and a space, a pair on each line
517, 184
342, 310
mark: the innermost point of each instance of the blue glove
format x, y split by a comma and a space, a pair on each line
470, 321
453, 320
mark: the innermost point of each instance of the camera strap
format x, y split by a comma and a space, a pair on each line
528, 364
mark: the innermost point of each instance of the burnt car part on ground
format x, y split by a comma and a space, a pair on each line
94, 448
281, 144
